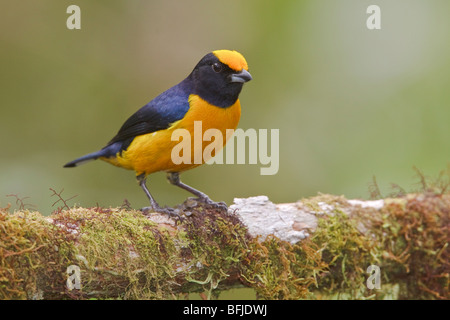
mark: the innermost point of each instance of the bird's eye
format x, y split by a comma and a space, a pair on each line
217, 67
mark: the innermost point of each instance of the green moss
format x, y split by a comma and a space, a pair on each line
347, 254
28, 243
123, 249
408, 240
276, 270
218, 242
313, 203
414, 237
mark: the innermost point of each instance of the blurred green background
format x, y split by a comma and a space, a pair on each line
350, 103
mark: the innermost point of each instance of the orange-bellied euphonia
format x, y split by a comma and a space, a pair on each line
144, 142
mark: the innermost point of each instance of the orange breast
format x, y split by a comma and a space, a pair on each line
152, 152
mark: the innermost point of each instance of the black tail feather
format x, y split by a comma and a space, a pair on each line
108, 151
83, 159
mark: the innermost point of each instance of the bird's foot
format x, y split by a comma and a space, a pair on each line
216, 205
171, 212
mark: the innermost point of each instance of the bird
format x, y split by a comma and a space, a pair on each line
144, 143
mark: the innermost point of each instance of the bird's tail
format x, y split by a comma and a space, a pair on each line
108, 151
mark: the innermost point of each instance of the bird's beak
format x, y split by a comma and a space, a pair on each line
242, 77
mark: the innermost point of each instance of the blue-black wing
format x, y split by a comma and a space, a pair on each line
158, 114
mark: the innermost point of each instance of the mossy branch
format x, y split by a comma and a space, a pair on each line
316, 248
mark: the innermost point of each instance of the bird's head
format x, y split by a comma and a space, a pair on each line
219, 77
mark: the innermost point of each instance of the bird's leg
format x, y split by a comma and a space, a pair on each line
154, 206
174, 178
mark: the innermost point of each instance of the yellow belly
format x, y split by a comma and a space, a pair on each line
152, 152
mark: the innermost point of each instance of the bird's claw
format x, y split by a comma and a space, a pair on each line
216, 205
171, 212
188, 204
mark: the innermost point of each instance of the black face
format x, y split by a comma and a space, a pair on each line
213, 82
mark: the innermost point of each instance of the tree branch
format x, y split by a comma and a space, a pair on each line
320, 247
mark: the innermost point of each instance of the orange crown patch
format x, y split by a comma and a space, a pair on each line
233, 59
